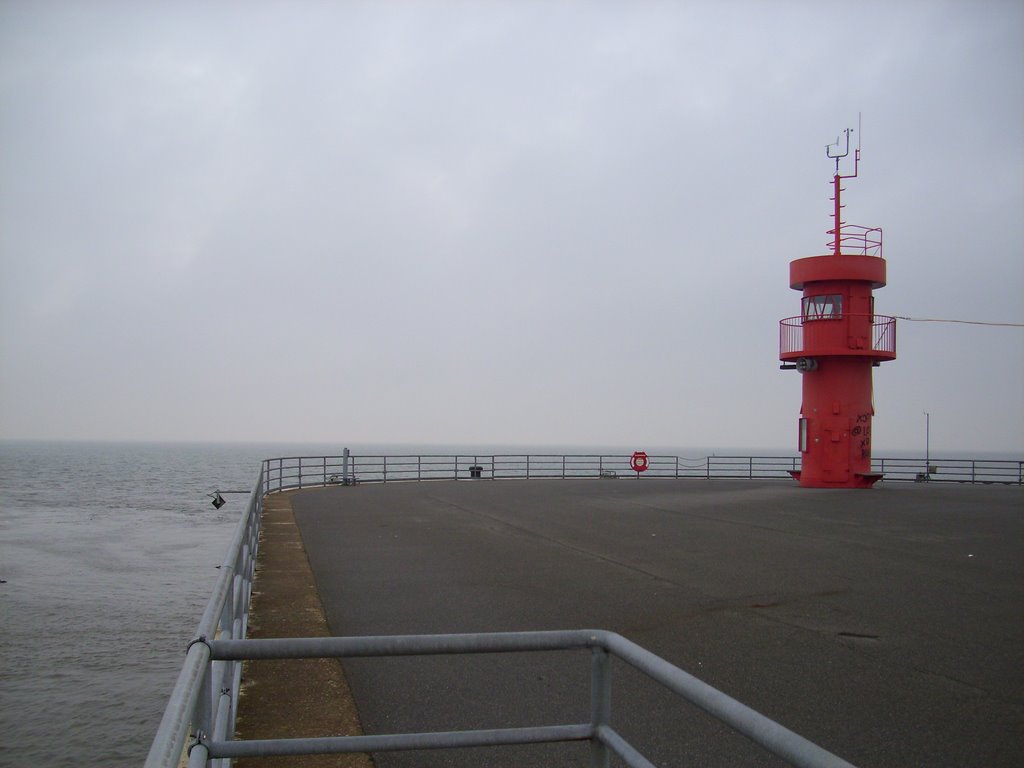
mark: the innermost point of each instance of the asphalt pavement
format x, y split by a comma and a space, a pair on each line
885, 625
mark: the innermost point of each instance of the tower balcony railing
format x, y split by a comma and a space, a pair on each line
857, 240
797, 335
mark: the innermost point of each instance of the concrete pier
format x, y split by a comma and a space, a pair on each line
885, 625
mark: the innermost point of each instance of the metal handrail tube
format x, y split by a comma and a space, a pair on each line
198, 755
600, 703
220, 727
403, 645
776, 738
393, 742
169, 741
623, 749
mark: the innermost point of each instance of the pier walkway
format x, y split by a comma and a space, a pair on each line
885, 625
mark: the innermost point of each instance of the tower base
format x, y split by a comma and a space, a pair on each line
857, 480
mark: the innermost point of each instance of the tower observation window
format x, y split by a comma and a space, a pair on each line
827, 307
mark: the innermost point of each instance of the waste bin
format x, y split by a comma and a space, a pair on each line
476, 471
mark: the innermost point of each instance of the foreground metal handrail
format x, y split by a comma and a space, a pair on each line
205, 696
777, 739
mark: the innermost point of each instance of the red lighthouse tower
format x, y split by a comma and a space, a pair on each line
834, 344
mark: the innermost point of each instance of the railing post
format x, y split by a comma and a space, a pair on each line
198, 756
300, 471
385, 470
972, 472
750, 467
600, 704
325, 471
419, 467
204, 711
527, 466
563, 466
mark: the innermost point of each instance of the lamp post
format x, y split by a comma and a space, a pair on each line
927, 444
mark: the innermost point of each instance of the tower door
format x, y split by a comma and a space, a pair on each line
836, 436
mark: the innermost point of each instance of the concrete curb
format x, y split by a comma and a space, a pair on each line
292, 698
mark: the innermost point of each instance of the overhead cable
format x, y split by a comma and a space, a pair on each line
964, 322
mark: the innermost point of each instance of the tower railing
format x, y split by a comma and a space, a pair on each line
857, 240
794, 340
883, 334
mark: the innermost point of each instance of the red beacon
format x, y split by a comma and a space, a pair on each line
835, 343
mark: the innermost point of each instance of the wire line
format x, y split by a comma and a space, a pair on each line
965, 322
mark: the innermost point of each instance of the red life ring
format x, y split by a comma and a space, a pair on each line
639, 462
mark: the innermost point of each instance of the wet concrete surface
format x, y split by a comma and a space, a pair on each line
885, 625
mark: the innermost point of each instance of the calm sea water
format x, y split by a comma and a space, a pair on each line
108, 553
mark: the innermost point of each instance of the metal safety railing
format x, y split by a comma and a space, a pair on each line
288, 473
303, 471
797, 334
971, 471
857, 240
203, 704
604, 740
205, 696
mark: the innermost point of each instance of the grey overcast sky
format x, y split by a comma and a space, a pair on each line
497, 222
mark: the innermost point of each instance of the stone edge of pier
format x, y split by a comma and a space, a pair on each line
292, 698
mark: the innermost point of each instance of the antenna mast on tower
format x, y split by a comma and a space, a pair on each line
837, 223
